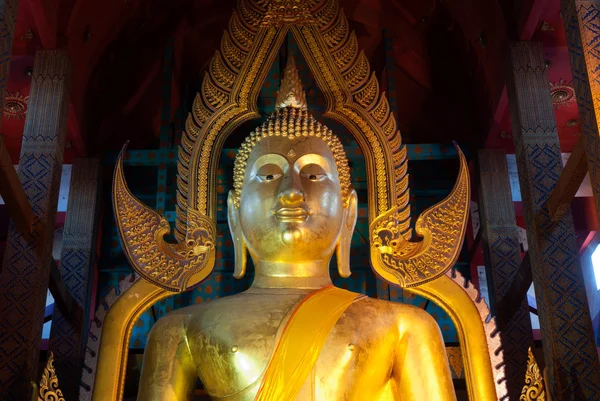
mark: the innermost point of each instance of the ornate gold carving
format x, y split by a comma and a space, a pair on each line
222, 75
224, 119
337, 34
326, 14
345, 54
359, 72
168, 266
290, 91
49, 390
241, 35
382, 110
212, 95
365, 127
234, 56
389, 127
288, 12
368, 94
534, 382
201, 114
442, 227
250, 16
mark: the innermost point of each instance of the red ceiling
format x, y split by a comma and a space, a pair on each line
559, 69
448, 57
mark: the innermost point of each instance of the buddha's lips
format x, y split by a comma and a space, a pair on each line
291, 214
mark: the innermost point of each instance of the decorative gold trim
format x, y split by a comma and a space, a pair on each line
442, 228
534, 388
49, 390
174, 267
480, 343
98, 327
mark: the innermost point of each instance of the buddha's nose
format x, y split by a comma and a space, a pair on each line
291, 194
291, 197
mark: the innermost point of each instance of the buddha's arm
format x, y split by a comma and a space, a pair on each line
168, 371
421, 370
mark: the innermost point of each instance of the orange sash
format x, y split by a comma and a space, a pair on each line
301, 342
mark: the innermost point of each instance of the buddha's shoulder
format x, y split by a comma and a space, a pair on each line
403, 315
233, 310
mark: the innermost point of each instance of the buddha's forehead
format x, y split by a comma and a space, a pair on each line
291, 149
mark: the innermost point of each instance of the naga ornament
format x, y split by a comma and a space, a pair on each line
173, 267
442, 228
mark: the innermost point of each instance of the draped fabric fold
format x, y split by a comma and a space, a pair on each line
301, 342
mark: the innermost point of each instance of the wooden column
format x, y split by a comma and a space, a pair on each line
503, 258
582, 20
569, 349
12, 192
26, 266
10, 187
68, 336
8, 18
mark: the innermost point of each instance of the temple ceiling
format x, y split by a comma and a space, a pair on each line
448, 63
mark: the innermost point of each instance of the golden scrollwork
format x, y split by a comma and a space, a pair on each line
49, 390
534, 382
442, 228
168, 266
288, 11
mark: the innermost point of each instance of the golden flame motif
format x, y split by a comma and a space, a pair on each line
49, 390
534, 382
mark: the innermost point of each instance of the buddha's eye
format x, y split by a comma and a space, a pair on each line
269, 173
268, 177
313, 172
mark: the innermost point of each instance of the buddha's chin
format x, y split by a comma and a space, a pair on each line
291, 236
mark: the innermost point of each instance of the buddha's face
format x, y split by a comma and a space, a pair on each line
291, 207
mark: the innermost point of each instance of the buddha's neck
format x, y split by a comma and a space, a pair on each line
300, 275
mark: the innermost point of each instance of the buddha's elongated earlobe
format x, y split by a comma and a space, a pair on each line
342, 251
239, 245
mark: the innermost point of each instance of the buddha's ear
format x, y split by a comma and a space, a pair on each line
345, 241
239, 245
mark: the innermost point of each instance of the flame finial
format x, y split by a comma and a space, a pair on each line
290, 91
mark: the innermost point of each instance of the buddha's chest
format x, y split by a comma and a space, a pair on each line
232, 355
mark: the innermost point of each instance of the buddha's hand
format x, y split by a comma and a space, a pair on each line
442, 228
174, 267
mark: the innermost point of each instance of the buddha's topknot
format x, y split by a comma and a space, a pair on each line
292, 120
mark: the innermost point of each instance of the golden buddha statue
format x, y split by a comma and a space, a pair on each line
292, 206
293, 335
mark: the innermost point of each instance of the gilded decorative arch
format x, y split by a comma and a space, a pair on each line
228, 98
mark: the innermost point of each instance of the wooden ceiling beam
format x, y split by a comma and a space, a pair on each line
569, 182
19, 208
63, 299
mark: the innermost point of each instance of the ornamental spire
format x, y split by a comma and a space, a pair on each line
290, 91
